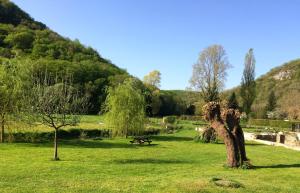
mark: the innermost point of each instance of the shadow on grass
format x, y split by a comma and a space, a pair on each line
170, 138
278, 166
255, 144
151, 161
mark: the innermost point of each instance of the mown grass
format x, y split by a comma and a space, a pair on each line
173, 163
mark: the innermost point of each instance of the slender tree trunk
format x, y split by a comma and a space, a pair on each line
55, 146
231, 145
2, 128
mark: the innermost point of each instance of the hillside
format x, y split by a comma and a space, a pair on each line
284, 80
23, 39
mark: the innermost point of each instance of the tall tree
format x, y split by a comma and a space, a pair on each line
125, 107
209, 73
248, 85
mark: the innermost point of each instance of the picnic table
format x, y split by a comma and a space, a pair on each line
141, 140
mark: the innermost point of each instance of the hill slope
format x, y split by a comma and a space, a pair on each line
285, 82
24, 39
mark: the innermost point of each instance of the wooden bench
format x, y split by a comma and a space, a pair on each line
141, 140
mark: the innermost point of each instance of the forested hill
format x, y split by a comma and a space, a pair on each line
285, 82
24, 39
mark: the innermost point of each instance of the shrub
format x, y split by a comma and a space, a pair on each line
169, 120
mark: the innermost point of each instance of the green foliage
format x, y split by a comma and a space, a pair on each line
10, 93
153, 79
125, 107
43, 50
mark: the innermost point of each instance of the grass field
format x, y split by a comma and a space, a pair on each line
174, 163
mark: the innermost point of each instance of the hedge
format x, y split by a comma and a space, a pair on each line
66, 134
272, 123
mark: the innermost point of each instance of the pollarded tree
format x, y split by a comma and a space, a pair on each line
125, 107
248, 85
209, 73
55, 103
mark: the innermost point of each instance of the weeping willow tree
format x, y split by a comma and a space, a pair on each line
125, 107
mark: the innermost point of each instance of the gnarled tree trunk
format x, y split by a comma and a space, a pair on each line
230, 143
232, 117
213, 114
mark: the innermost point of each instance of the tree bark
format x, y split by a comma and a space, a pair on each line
239, 137
232, 118
55, 158
231, 145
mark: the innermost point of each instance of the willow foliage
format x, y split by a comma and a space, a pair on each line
125, 107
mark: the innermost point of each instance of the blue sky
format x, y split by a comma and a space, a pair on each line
168, 35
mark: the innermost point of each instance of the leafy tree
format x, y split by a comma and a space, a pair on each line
55, 103
232, 101
153, 79
209, 73
271, 101
20, 40
10, 93
125, 107
248, 85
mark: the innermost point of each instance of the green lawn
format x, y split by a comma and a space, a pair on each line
174, 163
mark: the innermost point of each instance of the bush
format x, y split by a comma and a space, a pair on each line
169, 120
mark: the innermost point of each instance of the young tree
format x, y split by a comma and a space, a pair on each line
125, 107
57, 104
232, 101
153, 79
209, 73
248, 86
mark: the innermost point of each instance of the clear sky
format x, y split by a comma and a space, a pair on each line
168, 35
